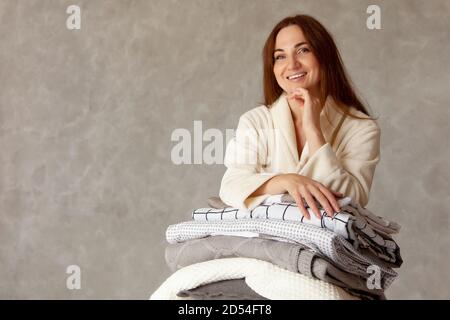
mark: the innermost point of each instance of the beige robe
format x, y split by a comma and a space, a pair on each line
265, 146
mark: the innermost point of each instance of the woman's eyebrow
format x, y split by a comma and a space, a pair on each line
295, 47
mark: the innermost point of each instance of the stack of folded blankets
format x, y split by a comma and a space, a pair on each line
273, 252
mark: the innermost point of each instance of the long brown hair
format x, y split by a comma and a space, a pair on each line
334, 79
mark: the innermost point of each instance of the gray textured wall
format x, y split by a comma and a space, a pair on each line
86, 119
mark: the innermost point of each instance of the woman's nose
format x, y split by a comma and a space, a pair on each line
294, 63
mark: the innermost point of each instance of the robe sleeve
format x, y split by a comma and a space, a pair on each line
245, 156
352, 171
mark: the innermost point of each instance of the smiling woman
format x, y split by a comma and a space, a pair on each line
295, 65
321, 142
282, 215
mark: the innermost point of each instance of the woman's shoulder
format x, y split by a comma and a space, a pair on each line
367, 123
259, 116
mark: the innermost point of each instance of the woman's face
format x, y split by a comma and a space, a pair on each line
294, 63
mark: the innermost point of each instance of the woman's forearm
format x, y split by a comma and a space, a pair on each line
315, 140
271, 186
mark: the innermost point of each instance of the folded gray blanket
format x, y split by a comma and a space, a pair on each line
323, 241
290, 256
367, 232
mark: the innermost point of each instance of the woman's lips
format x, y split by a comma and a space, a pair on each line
297, 78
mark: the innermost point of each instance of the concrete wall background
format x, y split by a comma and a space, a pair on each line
86, 119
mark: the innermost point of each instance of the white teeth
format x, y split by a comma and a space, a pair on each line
295, 76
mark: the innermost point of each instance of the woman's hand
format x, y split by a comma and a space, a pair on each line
301, 187
312, 106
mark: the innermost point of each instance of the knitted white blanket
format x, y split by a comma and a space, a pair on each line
266, 279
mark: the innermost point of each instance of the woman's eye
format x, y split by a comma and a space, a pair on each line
303, 50
278, 57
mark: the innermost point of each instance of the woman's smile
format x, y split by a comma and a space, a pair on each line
297, 77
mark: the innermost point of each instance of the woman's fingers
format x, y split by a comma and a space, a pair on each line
299, 202
296, 95
330, 198
316, 196
301, 93
323, 200
338, 194
311, 203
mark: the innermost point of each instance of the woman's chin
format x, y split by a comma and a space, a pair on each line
293, 86
300, 85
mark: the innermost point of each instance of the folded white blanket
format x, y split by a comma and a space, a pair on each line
265, 278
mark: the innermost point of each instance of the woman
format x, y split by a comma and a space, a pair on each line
313, 138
